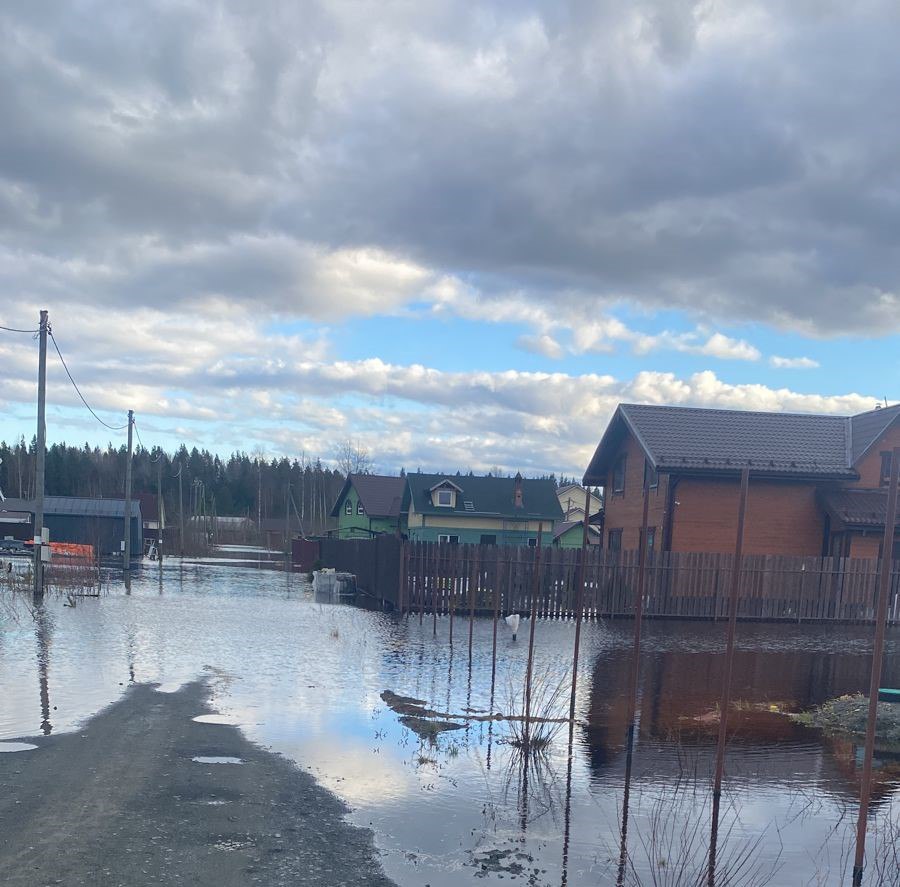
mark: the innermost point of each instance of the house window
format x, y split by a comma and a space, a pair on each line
488, 539
651, 537
615, 540
618, 483
532, 543
651, 476
348, 507
885, 469
447, 539
359, 507
444, 499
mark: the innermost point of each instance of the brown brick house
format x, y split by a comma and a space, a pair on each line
817, 483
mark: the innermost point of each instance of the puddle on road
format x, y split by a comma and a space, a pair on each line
306, 680
224, 720
16, 746
216, 759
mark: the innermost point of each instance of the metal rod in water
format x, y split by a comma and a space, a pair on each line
579, 599
535, 588
729, 664
473, 585
884, 587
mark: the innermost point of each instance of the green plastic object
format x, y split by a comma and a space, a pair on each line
885, 694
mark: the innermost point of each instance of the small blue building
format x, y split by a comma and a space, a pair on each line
97, 522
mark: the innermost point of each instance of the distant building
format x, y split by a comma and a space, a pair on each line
369, 505
818, 483
486, 510
571, 501
97, 522
570, 534
150, 515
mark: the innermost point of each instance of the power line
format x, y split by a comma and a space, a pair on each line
11, 329
138, 433
78, 390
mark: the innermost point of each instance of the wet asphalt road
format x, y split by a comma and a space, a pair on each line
120, 802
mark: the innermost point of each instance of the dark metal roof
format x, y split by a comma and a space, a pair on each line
857, 508
76, 505
691, 439
381, 495
14, 517
866, 428
487, 496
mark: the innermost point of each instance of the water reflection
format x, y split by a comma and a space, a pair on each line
43, 626
305, 679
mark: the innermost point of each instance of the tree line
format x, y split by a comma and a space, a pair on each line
242, 484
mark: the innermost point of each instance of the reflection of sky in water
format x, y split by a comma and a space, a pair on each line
304, 679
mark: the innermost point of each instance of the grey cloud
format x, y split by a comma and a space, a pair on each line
735, 160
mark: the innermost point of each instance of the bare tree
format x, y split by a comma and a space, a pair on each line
353, 458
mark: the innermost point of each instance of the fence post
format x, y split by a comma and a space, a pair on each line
884, 587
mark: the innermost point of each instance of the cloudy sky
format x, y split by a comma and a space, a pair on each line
459, 233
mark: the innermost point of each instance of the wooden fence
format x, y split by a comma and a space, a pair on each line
427, 576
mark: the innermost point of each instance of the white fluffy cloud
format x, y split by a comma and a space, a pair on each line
228, 380
793, 363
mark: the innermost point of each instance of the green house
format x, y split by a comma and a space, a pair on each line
486, 510
570, 534
369, 505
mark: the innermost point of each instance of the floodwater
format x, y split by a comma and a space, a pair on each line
305, 678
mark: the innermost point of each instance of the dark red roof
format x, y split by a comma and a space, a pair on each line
857, 508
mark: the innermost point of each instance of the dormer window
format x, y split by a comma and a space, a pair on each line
443, 495
359, 507
348, 507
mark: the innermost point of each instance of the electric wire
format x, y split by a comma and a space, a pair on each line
78, 390
11, 329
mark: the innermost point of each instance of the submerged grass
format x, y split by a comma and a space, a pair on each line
848, 714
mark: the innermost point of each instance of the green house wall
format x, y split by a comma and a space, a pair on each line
361, 526
572, 538
473, 536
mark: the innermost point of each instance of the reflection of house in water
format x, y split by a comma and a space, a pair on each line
677, 714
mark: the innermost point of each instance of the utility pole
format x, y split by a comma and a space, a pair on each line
160, 514
181, 508
287, 524
40, 462
127, 559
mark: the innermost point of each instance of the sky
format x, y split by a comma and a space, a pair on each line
455, 233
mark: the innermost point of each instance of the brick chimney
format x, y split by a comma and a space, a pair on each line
519, 501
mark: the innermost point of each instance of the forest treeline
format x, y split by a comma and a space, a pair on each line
242, 484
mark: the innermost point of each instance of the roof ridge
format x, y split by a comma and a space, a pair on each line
693, 409
878, 409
